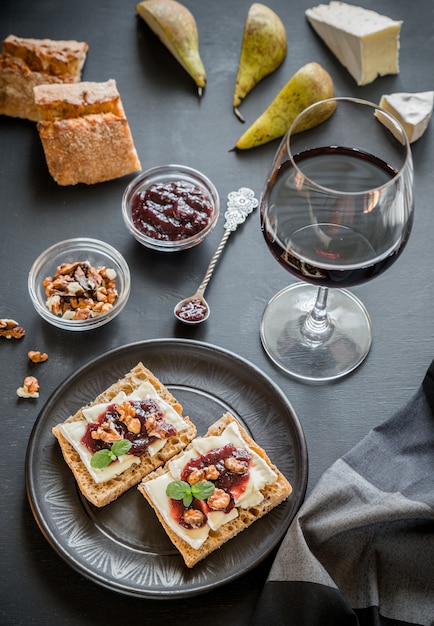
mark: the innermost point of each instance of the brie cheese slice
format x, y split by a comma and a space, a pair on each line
413, 110
365, 42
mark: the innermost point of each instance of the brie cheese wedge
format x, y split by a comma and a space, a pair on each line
365, 42
413, 110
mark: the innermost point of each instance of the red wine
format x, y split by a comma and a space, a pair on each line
335, 238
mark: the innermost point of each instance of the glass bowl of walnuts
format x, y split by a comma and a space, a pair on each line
79, 284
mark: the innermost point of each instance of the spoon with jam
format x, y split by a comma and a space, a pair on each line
195, 309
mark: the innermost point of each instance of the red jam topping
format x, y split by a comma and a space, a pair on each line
171, 211
192, 311
233, 483
150, 417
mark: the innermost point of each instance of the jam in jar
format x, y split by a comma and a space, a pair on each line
172, 210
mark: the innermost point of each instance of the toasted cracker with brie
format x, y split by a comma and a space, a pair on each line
26, 63
109, 416
85, 133
249, 493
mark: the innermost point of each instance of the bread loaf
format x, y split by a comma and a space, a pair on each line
26, 63
103, 492
263, 497
84, 132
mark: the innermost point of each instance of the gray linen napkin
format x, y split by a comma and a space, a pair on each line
360, 551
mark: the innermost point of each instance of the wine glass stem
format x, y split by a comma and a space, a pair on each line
317, 326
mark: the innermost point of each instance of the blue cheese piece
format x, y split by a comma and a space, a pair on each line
413, 110
365, 42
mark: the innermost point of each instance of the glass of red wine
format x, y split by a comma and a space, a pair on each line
336, 211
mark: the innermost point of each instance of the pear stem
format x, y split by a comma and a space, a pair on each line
238, 114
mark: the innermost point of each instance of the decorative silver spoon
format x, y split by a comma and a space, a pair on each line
195, 309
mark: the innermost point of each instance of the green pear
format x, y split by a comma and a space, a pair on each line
262, 51
176, 27
310, 84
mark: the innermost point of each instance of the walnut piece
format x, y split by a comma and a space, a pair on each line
127, 415
30, 388
205, 473
196, 476
36, 356
219, 500
156, 426
106, 432
79, 291
193, 517
211, 472
235, 466
10, 330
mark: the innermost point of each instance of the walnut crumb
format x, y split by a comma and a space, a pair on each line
36, 356
30, 388
127, 415
10, 329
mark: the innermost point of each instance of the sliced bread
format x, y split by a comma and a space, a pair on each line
85, 133
26, 63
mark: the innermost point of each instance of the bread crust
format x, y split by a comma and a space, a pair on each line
26, 63
79, 99
84, 132
89, 150
273, 494
55, 57
101, 494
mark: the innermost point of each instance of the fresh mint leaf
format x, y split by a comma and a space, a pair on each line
180, 490
121, 447
102, 458
203, 489
187, 500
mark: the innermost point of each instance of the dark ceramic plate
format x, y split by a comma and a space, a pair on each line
122, 546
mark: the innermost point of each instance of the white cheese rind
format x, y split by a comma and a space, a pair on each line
413, 110
260, 475
176, 465
365, 42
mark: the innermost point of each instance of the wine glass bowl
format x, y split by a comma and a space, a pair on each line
336, 211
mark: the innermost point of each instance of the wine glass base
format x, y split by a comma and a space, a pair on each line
338, 355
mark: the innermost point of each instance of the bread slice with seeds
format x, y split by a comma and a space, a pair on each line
102, 493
